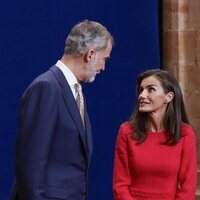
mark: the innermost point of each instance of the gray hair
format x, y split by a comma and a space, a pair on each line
87, 35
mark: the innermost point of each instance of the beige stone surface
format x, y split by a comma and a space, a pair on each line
180, 47
194, 9
181, 54
198, 48
187, 46
170, 46
175, 14
170, 17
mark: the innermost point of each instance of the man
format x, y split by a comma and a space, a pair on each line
54, 143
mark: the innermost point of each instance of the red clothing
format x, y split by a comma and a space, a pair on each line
154, 171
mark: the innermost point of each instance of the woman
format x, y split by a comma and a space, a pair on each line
155, 155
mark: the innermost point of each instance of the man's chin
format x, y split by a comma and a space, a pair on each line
91, 79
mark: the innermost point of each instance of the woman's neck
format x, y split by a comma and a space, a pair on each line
156, 122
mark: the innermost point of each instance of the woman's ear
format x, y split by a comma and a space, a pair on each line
88, 55
169, 97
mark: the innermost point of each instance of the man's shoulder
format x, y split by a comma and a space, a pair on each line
44, 80
47, 77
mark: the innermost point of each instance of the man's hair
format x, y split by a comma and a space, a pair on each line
175, 113
87, 35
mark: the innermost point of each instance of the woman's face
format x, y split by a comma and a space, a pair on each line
152, 98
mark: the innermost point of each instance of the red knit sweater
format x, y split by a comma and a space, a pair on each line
154, 171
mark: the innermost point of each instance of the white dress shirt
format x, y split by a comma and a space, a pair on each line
71, 79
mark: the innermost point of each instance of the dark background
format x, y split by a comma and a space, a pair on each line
32, 37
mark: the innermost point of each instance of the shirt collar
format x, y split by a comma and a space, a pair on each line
71, 79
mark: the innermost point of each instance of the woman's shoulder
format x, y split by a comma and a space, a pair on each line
125, 132
187, 129
126, 128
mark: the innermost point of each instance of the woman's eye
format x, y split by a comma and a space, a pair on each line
151, 89
140, 90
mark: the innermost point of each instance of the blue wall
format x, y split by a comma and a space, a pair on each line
32, 36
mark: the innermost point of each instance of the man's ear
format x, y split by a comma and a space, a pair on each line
169, 97
88, 55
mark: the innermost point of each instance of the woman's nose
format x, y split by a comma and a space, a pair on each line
143, 94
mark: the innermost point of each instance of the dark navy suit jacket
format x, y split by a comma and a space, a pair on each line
53, 148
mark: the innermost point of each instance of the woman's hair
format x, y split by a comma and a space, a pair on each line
175, 112
87, 35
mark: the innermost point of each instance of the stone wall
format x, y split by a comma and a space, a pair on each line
181, 54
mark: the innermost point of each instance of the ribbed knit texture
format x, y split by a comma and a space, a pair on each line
153, 171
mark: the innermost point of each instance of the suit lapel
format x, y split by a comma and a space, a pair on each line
88, 135
70, 102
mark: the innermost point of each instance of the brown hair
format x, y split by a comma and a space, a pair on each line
175, 113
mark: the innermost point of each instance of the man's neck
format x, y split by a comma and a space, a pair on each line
74, 63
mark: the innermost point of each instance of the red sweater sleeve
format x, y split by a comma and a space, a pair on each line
121, 175
188, 167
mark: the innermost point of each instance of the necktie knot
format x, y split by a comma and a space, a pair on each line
78, 88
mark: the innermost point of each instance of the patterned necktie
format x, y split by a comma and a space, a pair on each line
80, 100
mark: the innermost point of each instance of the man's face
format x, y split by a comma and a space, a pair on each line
97, 63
